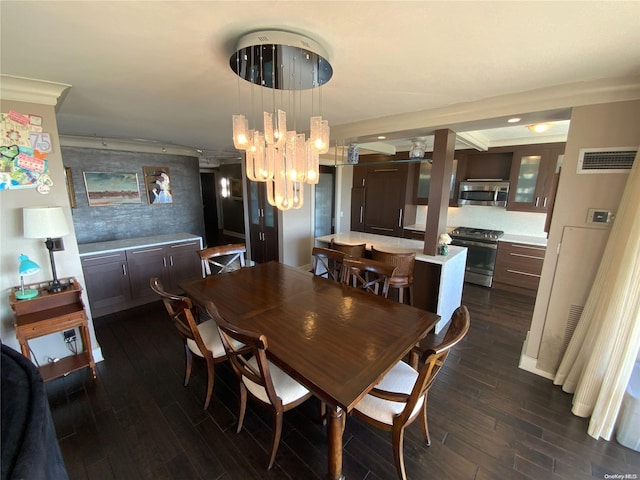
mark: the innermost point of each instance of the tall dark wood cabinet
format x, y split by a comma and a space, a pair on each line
263, 224
379, 197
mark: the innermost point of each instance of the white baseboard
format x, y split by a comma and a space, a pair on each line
97, 354
530, 364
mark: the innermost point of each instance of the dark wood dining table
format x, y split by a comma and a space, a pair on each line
336, 340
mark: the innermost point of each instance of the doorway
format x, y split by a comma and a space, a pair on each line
210, 208
324, 215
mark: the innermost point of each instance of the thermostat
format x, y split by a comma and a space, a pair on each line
601, 216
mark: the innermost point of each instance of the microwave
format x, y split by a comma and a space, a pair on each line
492, 193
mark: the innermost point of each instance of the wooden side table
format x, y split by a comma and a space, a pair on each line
51, 313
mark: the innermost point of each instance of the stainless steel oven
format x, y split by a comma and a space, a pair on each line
482, 247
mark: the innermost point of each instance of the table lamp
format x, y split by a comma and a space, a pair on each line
48, 223
27, 267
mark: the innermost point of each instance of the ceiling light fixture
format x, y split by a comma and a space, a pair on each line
514, 120
284, 159
381, 137
418, 148
539, 127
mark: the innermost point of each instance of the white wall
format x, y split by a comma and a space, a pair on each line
295, 232
603, 125
12, 242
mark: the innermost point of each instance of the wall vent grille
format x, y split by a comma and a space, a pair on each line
575, 312
606, 160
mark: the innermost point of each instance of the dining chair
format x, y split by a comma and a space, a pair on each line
367, 274
201, 339
223, 258
263, 380
355, 251
327, 263
401, 395
402, 278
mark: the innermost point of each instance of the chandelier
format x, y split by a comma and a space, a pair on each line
287, 64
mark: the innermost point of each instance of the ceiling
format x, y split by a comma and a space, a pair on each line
158, 72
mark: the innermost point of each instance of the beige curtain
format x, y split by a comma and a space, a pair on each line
602, 352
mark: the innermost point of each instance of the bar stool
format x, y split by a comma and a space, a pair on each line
403, 276
355, 251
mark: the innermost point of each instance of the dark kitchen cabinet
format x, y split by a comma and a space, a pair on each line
117, 280
379, 197
357, 209
422, 181
144, 263
518, 267
183, 262
107, 281
172, 263
532, 178
384, 200
263, 224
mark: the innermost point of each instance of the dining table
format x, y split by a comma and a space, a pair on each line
336, 340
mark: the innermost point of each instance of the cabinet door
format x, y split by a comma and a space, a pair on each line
518, 265
531, 180
145, 263
184, 263
107, 280
423, 181
384, 200
263, 225
357, 209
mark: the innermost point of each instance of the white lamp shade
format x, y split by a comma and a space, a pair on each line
44, 222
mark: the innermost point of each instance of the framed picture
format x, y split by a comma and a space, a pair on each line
108, 188
236, 188
70, 190
157, 182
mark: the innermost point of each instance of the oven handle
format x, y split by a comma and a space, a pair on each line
468, 243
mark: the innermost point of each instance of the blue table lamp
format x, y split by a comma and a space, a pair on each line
27, 267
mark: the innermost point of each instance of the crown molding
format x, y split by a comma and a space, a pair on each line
127, 145
553, 98
21, 89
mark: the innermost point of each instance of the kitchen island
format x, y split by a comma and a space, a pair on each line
437, 279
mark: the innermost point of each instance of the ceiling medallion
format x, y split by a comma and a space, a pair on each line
288, 64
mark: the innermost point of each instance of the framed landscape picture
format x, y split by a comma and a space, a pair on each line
157, 181
108, 188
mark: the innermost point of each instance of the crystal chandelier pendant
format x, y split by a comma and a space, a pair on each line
240, 132
285, 160
313, 164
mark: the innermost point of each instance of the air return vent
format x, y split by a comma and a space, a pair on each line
606, 160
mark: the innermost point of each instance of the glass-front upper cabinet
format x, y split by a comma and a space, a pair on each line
423, 182
525, 187
532, 172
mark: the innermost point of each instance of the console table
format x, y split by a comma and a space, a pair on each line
50, 313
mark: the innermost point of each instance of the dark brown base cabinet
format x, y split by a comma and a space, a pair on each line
518, 267
117, 280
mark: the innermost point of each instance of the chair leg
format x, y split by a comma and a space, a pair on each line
398, 450
210, 379
275, 442
188, 364
423, 422
243, 405
411, 294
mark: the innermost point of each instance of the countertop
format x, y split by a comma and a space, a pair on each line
394, 245
119, 245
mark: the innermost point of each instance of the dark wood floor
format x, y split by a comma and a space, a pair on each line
488, 419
